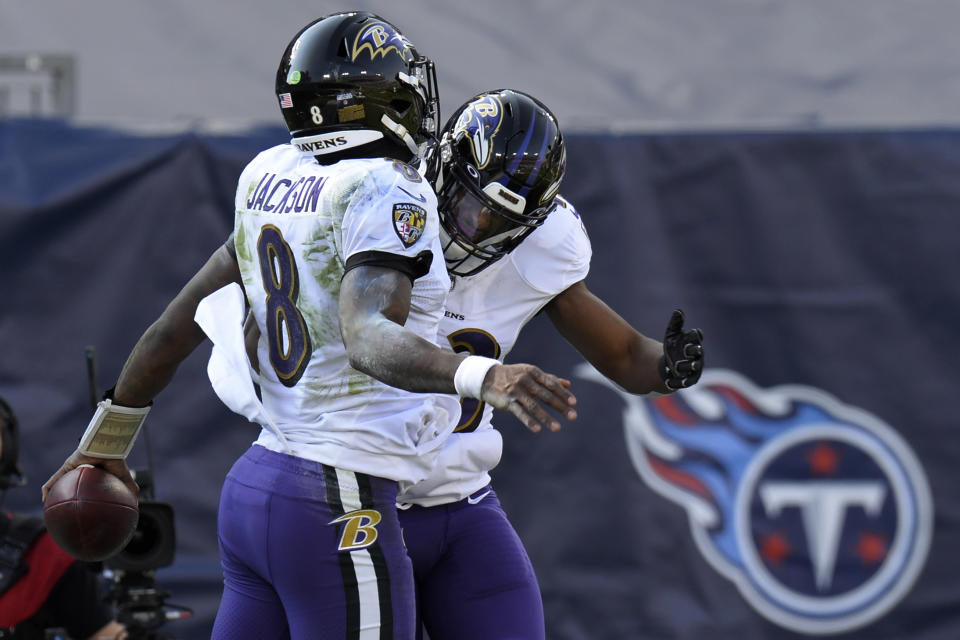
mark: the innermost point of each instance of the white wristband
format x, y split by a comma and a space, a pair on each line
468, 379
112, 430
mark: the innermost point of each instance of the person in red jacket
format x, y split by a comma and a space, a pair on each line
41, 586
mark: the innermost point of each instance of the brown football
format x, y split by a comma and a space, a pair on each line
90, 513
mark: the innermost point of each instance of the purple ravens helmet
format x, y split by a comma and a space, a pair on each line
496, 173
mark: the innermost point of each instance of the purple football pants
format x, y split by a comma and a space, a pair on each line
474, 578
290, 571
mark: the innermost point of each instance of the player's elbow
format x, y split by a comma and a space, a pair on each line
359, 357
362, 342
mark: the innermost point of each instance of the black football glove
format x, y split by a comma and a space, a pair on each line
682, 361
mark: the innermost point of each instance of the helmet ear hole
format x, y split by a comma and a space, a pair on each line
400, 106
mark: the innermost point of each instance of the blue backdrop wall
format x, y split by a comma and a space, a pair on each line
807, 486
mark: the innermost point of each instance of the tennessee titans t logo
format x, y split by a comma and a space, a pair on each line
817, 511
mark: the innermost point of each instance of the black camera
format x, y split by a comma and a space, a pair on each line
141, 605
154, 541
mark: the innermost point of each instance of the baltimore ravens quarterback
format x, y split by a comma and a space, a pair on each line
332, 249
513, 247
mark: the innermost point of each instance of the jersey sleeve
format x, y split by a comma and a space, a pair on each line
556, 255
393, 211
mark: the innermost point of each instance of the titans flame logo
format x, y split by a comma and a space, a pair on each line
817, 511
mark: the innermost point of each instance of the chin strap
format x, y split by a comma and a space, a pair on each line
401, 132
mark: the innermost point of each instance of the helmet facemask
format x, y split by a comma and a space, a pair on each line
475, 229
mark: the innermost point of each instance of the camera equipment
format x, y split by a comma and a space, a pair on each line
154, 541
141, 604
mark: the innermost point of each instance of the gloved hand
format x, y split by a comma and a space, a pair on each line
682, 361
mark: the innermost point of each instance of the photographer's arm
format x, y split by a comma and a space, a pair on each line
113, 630
78, 604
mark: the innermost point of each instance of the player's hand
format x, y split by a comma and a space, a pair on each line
682, 361
117, 467
526, 391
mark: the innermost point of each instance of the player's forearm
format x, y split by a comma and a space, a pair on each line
398, 357
374, 306
637, 371
154, 361
607, 341
174, 335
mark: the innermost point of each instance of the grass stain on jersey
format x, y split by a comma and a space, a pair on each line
240, 244
326, 269
360, 383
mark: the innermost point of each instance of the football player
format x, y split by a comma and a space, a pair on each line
332, 249
513, 247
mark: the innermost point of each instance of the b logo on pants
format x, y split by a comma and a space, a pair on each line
360, 530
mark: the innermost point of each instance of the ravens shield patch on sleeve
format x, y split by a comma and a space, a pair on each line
409, 221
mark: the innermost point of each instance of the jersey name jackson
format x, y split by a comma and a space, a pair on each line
284, 195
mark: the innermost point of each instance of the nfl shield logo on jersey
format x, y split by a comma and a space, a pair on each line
409, 221
818, 512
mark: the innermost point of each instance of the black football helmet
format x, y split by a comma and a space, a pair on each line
351, 79
496, 172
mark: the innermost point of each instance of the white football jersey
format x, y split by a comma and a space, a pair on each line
484, 316
298, 223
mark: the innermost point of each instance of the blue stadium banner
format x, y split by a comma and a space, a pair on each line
806, 488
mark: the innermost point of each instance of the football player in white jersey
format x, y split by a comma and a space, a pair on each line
333, 247
513, 247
